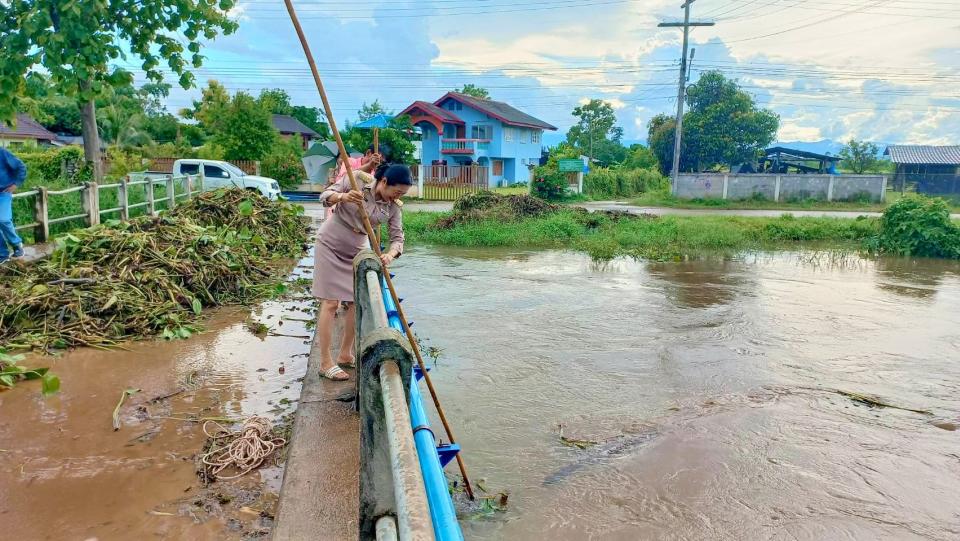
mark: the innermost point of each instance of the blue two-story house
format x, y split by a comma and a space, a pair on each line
459, 129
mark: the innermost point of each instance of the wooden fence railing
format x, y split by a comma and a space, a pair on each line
165, 165
91, 195
449, 182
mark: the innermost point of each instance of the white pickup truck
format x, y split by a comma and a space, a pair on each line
220, 174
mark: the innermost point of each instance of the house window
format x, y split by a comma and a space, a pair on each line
508, 134
483, 131
535, 136
524, 136
455, 106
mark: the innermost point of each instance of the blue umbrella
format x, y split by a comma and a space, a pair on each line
377, 121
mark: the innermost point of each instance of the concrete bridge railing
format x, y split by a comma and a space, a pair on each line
393, 501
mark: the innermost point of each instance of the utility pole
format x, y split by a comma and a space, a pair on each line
682, 90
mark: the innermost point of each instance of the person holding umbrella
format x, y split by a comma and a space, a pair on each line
12, 174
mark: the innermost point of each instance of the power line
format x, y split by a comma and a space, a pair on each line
682, 86
547, 6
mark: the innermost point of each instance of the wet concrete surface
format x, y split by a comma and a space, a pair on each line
321, 485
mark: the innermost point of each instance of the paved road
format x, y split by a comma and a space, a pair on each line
445, 206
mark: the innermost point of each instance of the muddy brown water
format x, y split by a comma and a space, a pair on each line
708, 387
706, 391
65, 474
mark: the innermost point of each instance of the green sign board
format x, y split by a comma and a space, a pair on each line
571, 166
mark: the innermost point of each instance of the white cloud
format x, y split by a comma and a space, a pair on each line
883, 78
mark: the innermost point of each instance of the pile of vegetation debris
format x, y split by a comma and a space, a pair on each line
489, 206
486, 205
150, 276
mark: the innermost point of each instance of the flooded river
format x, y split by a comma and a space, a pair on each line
708, 397
709, 389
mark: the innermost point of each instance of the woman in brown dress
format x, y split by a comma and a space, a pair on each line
340, 239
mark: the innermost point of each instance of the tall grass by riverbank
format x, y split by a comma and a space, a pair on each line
667, 237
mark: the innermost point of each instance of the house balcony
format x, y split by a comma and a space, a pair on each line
464, 147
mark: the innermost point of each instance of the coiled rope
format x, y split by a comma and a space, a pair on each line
245, 449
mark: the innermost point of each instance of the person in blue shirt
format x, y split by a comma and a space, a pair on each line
12, 174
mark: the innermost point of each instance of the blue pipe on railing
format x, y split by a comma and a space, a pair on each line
442, 512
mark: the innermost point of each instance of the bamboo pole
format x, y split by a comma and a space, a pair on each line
376, 247
376, 151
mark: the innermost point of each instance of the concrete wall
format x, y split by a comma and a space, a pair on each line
699, 186
780, 187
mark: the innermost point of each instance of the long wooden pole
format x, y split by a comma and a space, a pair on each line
376, 152
376, 247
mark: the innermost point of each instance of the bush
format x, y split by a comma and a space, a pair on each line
606, 183
123, 162
50, 166
548, 185
211, 151
918, 226
167, 150
283, 163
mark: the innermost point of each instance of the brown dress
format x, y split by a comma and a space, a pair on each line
341, 237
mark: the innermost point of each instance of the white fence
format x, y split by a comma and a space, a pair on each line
781, 187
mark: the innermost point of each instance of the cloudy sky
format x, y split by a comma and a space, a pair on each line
887, 71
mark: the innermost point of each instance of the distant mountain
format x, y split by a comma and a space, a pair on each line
826, 146
552, 139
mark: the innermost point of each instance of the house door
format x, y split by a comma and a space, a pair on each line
497, 168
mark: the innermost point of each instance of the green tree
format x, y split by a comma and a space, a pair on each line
724, 126
394, 140
640, 157
660, 136
245, 131
210, 110
191, 134
313, 118
367, 112
76, 42
162, 128
121, 128
152, 97
861, 157
284, 164
471, 89
596, 133
60, 114
275, 100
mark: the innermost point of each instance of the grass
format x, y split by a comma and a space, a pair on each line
512, 190
668, 237
654, 199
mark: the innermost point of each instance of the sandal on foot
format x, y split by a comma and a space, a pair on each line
334, 373
352, 364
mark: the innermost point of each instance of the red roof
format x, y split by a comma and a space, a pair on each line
27, 128
503, 112
432, 110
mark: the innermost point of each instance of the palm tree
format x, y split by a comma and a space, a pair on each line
121, 127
